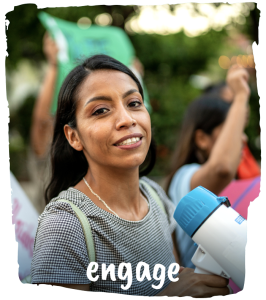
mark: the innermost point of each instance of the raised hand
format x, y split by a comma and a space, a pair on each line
237, 79
50, 49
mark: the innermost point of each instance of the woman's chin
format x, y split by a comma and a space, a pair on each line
130, 163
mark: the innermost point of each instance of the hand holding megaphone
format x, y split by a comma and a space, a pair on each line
196, 285
218, 230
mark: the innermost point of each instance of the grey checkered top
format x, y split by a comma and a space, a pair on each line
60, 253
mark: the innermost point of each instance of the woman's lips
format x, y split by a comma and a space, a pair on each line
129, 136
131, 146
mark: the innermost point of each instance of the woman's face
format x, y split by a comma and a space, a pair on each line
113, 125
206, 142
212, 138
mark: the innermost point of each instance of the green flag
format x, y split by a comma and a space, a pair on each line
76, 44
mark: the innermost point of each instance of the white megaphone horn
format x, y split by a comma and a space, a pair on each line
218, 230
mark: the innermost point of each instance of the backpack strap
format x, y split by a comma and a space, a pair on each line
87, 234
154, 195
86, 229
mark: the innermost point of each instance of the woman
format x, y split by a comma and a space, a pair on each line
248, 166
209, 149
102, 137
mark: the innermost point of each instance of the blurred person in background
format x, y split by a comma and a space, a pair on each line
42, 126
248, 167
42, 120
209, 149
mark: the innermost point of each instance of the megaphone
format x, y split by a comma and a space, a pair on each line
218, 230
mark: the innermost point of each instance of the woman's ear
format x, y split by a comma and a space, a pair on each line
204, 144
73, 138
202, 140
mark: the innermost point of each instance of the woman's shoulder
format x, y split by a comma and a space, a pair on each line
180, 183
58, 212
184, 173
71, 194
59, 223
60, 242
188, 168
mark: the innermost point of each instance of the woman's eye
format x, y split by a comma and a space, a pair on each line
100, 111
135, 104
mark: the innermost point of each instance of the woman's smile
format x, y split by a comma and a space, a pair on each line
130, 144
130, 141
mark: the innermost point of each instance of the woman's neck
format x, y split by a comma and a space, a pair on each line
119, 189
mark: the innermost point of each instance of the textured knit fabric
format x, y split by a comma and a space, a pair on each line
179, 187
60, 253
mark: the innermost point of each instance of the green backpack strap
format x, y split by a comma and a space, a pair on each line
86, 229
154, 195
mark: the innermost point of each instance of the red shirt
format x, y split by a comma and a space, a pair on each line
248, 167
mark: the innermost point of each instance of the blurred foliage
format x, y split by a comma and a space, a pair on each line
252, 24
169, 62
25, 32
21, 119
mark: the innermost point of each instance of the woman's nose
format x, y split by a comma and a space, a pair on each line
124, 119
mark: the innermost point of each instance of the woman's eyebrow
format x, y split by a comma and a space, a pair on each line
129, 92
98, 98
109, 98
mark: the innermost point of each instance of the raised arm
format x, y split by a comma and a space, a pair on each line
42, 120
220, 168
